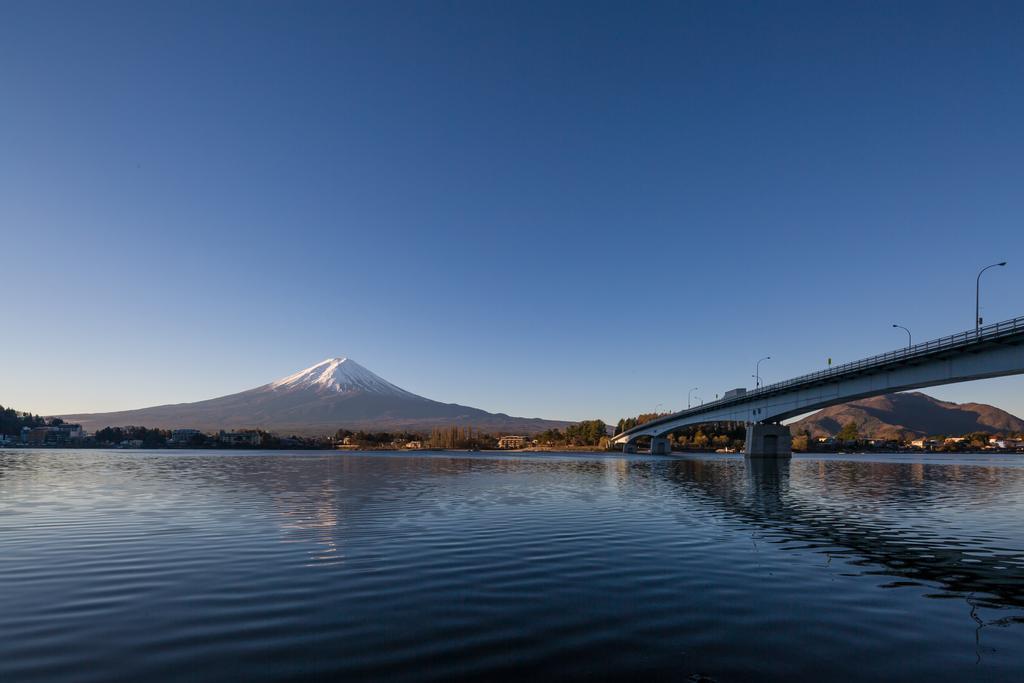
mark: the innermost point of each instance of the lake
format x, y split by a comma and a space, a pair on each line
266, 566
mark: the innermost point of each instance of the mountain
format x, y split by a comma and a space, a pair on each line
909, 415
336, 393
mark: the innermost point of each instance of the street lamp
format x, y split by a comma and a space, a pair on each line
910, 339
757, 372
688, 394
977, 297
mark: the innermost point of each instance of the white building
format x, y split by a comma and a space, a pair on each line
512, 442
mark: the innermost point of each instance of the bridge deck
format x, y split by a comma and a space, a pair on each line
1001, 332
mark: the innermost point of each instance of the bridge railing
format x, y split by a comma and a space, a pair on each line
962, 339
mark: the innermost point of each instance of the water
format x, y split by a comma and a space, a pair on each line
208, 566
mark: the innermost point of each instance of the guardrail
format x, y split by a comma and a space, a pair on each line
962, 339
1005, 328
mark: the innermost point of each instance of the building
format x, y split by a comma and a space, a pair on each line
512, 442
37, 436
183, 436
414, 445
52, 435
249, 438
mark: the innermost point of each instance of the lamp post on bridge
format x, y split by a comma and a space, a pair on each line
910, 340
688, 394
977, 297
757, 372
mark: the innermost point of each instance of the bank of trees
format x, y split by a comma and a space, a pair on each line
802, 441
461, 437
627, 423
586, 433
590, 433
12, 421
375, 439
712, 436
150, 437
441, 437
849, 432
973, 441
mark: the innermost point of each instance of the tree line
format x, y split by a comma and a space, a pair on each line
586, 433
592, 433
439, 437
12, 421
710, 436
150, 437
627, 423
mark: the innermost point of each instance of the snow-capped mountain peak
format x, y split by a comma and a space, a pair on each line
341, 375
333, 394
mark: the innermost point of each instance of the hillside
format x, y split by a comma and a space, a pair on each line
336, 393
909, 415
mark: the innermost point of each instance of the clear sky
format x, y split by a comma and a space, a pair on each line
566, 210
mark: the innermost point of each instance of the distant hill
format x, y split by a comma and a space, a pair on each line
336, 393
909, 415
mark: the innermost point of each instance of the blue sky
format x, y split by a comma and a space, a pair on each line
567, 210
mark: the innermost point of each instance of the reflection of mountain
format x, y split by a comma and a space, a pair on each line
909, 415
336, 393
840, 524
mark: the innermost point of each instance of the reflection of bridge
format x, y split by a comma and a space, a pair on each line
764, 497
993, 351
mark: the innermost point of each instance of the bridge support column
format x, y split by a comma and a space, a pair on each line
768, 441
660, 446
629, 447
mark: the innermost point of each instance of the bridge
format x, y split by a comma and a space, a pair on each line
995, 350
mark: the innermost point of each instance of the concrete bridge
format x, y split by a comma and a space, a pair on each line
992, 351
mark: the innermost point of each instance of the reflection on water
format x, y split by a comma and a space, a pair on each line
289, 566
872, 529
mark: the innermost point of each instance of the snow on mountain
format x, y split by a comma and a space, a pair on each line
341, 375
335, 393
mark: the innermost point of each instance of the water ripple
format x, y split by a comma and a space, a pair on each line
287, 566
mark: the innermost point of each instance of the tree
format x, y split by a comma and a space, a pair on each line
11, 421
849, 432
586, 433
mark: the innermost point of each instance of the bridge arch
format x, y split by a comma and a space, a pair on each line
994, 351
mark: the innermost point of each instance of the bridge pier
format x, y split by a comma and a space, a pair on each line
629, 447
660, 446
768, 441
